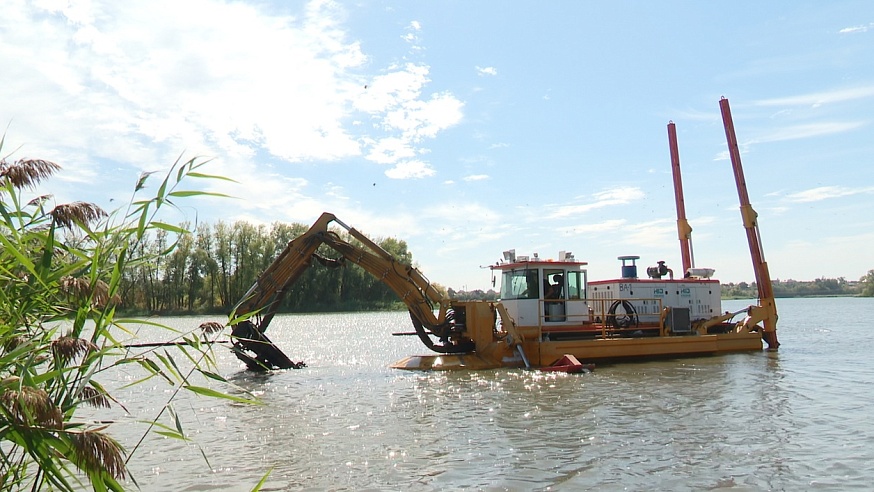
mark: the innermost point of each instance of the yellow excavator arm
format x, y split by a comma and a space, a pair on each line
252, 315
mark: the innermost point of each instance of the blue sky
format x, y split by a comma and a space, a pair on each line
467, 128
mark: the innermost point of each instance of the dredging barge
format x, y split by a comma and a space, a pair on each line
548, 308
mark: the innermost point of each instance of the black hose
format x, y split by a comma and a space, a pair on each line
442, 332
622, 321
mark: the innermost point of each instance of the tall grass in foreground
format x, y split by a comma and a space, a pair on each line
60, 275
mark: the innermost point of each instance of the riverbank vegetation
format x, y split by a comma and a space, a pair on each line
821, 287
213, 266
64, 271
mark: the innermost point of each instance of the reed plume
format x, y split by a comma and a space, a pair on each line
67, 348
68, 214
94, 397
80, 288
211, 327
27, 173
95, 451
31, 407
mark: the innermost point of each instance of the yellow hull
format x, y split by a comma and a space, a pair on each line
541, 354
511, 348
545, 353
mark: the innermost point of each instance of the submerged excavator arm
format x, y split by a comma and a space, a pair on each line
253, 314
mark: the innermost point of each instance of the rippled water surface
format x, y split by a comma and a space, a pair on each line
794, 420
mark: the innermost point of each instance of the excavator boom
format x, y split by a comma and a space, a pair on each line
253, 314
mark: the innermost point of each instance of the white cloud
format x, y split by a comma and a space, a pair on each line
795, 132
483, 71
200, 76
819, 98
611, 225
131, 84
809, 130
476, 177
657, 232
606, 198
336, 192
393, 89
394, 100
390, 150
855, 29
826, 192
412, 35
696, 115
289, 196
806, 130
410, 169
419, 119
463, 227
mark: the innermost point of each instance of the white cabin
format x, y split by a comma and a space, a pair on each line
539, 292
557, 296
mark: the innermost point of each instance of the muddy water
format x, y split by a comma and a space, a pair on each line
794, 420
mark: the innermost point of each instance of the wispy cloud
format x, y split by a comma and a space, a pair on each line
390, 150
412, 34
695, 115
779, 133
395, 101
819, 98
483, 71
606, 198
856, 29
134, 85
596, 228
410, 169
809, 130
827, 192
476, 177
649, 233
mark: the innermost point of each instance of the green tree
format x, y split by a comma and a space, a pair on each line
207, 263
223, 257
175, 275
868, 284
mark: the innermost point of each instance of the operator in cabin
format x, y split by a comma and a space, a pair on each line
554, 291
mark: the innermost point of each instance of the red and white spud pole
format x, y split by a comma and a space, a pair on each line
684, 230
767, 309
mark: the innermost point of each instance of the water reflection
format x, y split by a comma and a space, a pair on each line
793, 420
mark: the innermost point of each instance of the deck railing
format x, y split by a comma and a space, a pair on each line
604, 318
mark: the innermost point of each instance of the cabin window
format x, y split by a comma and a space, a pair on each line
520, 284
553, 284
576, 285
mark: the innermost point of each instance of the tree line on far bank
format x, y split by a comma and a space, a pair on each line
821, 287
212, 267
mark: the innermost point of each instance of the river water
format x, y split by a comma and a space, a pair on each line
799, 419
